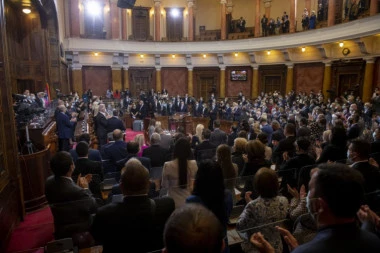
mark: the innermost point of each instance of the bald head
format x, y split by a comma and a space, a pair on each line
117, 135
135, 179
62, 108
102, 108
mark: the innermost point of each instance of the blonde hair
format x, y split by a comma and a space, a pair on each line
326, 136
140, 140
198, 131
256, 127
239, 144
158, 124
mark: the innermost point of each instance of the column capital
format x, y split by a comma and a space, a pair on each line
157, 3
223, 1
267, 3
290, 65
190, 3
255, 66
327, 63
190, 68
229, 7
222, 67
369, 59
126, 67
158, 68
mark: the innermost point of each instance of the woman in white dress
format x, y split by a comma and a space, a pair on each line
178, 175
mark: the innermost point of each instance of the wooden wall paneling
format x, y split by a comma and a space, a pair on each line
376, 74
140, 23
141, 78
275, 72
348, 76
234, 87
10, 179
174, 80
97, 78
201, 74
308, 77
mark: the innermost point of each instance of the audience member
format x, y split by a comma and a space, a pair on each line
218, 136
114, 122
93, 154
157, 155
117, 150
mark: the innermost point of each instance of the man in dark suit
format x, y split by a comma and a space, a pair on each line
354, 130
115, 123
116, 151
204, 113
303, 130
358, 153
142, 110
101, 125
93, 154
158, 155
182, 107
84, 166
65, 128
138, 222
218, 136
156, 106
197, 111
166, 139
232, 136
205, 150
133, 149
71, 203
285, 145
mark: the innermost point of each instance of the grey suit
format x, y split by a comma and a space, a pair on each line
166, 141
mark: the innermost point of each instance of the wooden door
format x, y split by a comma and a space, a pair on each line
348, 82
272, 83
206, 87
174, 24
338, 12
140, 23
141, 79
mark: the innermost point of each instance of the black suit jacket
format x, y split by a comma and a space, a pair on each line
85, 166
71, 206
101, 125
93, 155
134, 224
205, 150
285, 145
158, 155
116, 151
218, 137
114, 123
142, 112
353, 132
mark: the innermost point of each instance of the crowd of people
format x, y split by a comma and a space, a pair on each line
306, 169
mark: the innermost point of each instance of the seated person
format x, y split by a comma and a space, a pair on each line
93, 154
133, 149
140, 219
158, 155
71, 202
117, 150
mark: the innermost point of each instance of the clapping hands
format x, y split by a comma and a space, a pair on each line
84, 181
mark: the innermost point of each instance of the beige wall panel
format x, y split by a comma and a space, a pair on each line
245, 9
116, 80
77, 80
207, 14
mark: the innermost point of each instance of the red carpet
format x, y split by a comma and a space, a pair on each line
130, 134
33, 233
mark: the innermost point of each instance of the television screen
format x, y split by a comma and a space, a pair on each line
238, 75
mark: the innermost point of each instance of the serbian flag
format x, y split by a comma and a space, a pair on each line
47, 93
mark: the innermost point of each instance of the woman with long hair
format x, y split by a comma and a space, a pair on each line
178, 175
229, 169
210, 192
141, 141
197, 138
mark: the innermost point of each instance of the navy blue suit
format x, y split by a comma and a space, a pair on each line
101, 128
114, 123
116, 152
93, 155
65, 130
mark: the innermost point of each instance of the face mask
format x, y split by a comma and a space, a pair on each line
374, 136
348, 154
308, 206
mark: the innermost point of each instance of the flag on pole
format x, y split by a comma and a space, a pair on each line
47, 93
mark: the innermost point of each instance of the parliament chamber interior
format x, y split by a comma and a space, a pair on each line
190, 91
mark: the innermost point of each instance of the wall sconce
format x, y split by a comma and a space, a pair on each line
162, 12
204, 55
141, 56
268, 52
152, 12
341, 44
236, 54
173, 56
96, 54
185, 12
303, 49
26, 10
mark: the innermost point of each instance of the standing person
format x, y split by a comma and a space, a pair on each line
142, 144
312, 20
178, 175
218, 136
114, 122
65, 128
101, 125
241, 24
212, 193
229, 169
140, 219
71, 202
264, 24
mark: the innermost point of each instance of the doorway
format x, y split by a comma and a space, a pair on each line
272, 83
348, 82
174, 24
206, 87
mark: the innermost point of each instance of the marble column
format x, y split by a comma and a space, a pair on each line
74, 18
255, 82
373, 8
289, 78
157, 20
257, 19
124, 25
368, 79
77, 79
115, 20
223, 31
222, 87
292, 16
190, 4
116, 78
158, 79
326, 79
126, 78
331, 13
190, 85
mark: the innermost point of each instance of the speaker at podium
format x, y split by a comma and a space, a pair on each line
126, 4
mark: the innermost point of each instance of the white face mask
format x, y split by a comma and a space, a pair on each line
308, 206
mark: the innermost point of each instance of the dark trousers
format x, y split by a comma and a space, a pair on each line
63, 145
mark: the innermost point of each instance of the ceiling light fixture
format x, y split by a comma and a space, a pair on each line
26, 10
303, 49
236, 54
173, 55
268, 52
341, 44
141, 56
204, 56
96, 54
